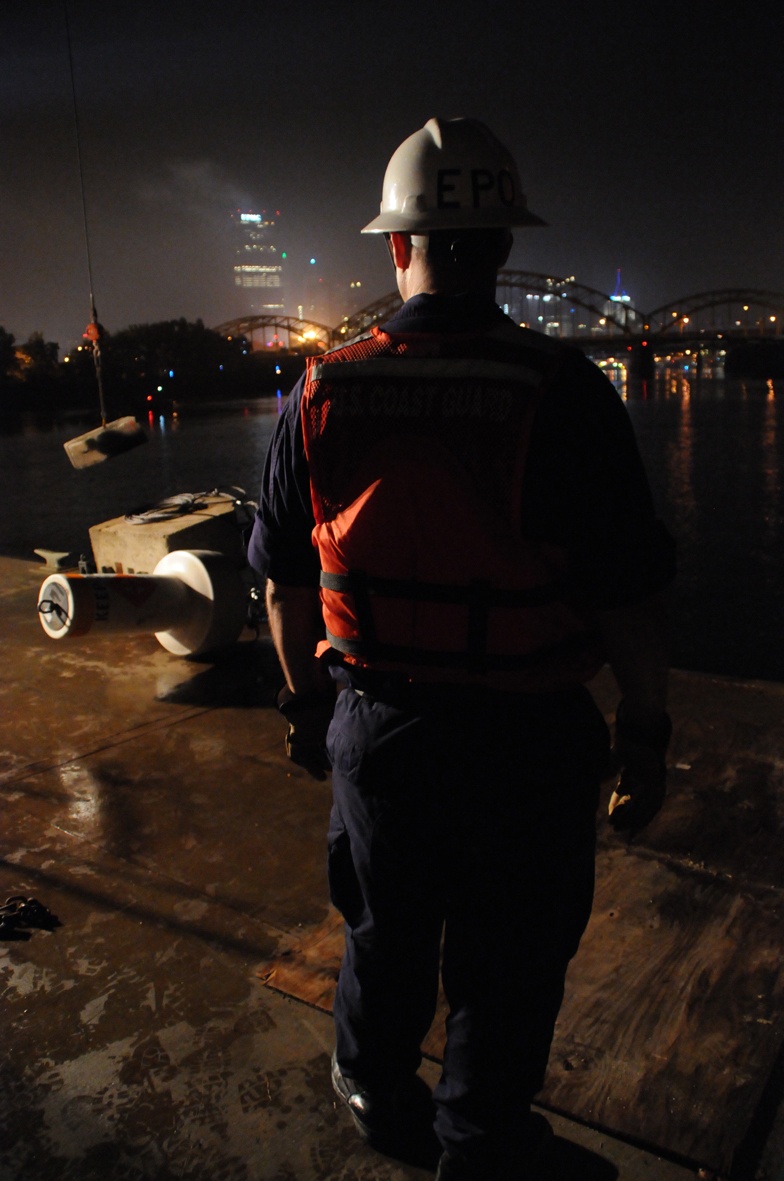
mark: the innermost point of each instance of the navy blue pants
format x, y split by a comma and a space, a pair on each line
462, 834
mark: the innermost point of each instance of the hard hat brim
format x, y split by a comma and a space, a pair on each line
453, 219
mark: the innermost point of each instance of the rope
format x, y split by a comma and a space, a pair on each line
79, 159
184, 503
96, 342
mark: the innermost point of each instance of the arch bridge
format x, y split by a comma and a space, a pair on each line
735, 311
560, 307
286, 333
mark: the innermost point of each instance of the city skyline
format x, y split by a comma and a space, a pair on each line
646, 139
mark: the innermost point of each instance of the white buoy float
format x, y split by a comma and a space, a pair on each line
194, 602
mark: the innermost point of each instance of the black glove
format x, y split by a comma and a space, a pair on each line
308, 716
638, 753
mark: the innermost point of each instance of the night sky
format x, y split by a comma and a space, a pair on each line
650, 137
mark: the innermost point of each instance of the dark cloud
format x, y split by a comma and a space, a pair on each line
648, 137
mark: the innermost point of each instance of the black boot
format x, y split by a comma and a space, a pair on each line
528, 1159
396, 1120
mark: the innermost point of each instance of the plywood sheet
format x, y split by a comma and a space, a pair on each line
671, 1021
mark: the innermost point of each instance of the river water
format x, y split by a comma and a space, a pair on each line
713, 448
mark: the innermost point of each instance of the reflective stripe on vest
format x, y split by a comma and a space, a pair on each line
431, 368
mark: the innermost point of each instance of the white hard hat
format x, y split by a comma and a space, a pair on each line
451, 174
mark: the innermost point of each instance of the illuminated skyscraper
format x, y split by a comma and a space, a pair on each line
620, 303
258, 270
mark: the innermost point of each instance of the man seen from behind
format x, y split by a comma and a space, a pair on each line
457, 532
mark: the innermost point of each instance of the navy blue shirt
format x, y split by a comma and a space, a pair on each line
584, 488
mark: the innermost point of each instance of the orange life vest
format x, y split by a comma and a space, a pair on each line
416, 449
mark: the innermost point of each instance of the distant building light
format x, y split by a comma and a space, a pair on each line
250, 217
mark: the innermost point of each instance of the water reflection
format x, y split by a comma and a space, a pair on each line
714, 456
771, 467
681, 493
103, 806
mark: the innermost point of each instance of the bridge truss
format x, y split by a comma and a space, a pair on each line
732, 310
280, 332
560, 307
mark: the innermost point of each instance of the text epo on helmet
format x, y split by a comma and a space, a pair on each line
451, 174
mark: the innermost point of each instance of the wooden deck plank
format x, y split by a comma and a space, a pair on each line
672, 1017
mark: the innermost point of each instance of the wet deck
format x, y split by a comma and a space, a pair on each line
148, 804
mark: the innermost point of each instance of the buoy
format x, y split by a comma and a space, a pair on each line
195, 601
